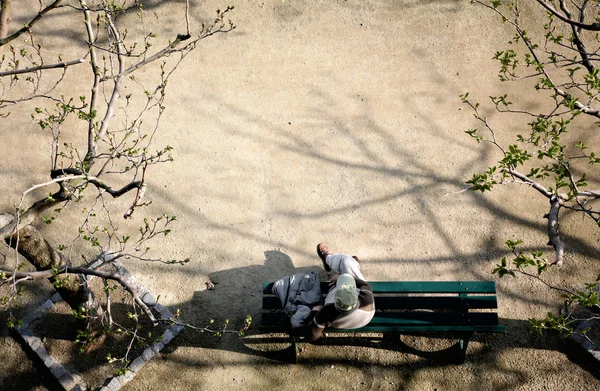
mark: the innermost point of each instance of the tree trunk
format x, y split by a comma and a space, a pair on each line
72, 288
5, 6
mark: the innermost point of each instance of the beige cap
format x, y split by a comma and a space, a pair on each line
346, 295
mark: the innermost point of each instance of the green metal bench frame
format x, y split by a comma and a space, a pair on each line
459, 308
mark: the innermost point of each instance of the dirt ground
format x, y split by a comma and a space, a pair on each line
335, 121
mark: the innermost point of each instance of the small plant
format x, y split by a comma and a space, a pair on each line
569, 321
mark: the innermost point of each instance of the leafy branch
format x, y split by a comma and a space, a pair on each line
567, 323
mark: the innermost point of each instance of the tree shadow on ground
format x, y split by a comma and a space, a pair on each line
241, 289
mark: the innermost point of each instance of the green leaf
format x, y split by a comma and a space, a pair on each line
512, 245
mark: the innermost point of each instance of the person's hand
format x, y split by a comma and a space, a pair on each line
333, 280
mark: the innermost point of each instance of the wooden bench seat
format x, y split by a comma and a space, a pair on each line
459, 308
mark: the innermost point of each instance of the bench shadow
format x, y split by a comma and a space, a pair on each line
442, 348
435, 349
241, 287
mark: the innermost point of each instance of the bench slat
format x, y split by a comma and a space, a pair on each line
435, 302
433, 286
424, 329
399, 329
418, 287
412, 302
411, 318
437, 318
404, 321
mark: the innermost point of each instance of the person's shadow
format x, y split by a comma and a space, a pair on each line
237, 294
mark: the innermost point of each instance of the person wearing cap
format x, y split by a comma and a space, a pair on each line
349, 303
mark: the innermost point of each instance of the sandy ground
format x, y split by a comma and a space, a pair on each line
334, 121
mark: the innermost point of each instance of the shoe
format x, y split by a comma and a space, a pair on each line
323, 252
355, 258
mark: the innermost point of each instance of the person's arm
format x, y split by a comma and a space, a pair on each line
322, 319
363, 285
366, 300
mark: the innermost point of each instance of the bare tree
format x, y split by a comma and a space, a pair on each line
118, 154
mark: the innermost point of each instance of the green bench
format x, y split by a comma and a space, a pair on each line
453, 308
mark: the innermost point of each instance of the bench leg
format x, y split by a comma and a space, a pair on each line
463, 343
392, 338
294, 348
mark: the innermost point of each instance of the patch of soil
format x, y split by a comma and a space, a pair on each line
108, 353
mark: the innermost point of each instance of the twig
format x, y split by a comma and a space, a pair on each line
141, 191
531, 183
458, 191
536, 277
187, 16
581, 107
110, 109
199, 328
108, 307
164, 52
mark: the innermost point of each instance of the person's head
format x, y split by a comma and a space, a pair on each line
346, 295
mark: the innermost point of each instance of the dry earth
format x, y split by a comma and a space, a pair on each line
335, 121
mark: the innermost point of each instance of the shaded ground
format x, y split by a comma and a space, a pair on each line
335, 121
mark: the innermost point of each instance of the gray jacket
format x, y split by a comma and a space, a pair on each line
298, 294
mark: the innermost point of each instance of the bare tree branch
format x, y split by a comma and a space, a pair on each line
93, 180
531, 183
547, 193
577, 38
63, 194
593, 27
91, 140
110, 109
5, 12
162, 53
553, 230
187, 17
44, 274
28, 26
589, 194
42, 67
37, 207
